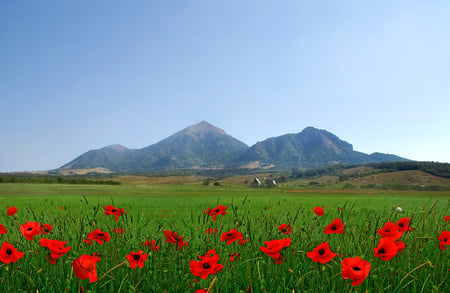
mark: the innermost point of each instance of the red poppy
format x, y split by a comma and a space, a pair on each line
285, 229
447, 218
84, 267
400, 246
99, 236
110, 210
172, 237
386, 249
46, 228
403, 225
321, 253
318, 211
231, 236
201, 291
234, 256
242, 241
88, 241
274, 247
390, 231
56, 248
444, 239
219, 210
3, 229
335, 227
207, 265
118, 231
30, 229
151, 243
11, 211
137, 259
9, 253
355, 269
211, 231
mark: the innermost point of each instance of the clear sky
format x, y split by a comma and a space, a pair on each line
81, 75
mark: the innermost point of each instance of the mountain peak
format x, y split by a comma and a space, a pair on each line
116, 147
202, 127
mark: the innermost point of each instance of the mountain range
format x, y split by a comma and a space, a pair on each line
203, 145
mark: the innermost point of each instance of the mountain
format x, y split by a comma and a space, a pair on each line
310, 148
198, 146
203, 145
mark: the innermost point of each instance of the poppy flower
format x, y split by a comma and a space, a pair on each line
110, 210
99, 236
231, 236
321, 253
118, 231
219, 210
355, 269
211, 231
285, 229
390, 232
84, 267
207, 265
56, 248
447, 218
386, 249
274, 247
46, 228
201, 291
403, 225
172, 237
137, 259
151, 243
9, 253
234, 256
318, 211
444, 239
30, 229
335, 227
242, 241
11, 211
88, 241
2, 229
400, 246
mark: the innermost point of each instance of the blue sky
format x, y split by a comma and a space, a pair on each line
80, 75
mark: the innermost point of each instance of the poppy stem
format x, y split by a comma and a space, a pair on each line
121, 264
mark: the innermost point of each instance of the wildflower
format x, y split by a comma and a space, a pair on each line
444, 239
207, 265
400, 246
386, 249
318, 211
242, 241
355, 269
219, 210
99, 236
151, 243
211, 231
231, 236
390, 231
118, 231
172, 237
274, 247
11, 211
110, 210
137, 259
3, 229
46, 228
335, 227
285, 229
447, 218
56, 248
30, 229
84, 267
321, 253
9, 253
403, 225
234, 256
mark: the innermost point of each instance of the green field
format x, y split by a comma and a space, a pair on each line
76, 210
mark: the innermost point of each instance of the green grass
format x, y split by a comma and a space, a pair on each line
422, 266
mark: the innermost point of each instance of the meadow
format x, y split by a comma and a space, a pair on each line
74, 211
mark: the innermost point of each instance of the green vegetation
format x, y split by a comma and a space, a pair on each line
76, 210
53, 180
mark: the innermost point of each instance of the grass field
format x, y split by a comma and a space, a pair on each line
151, 208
